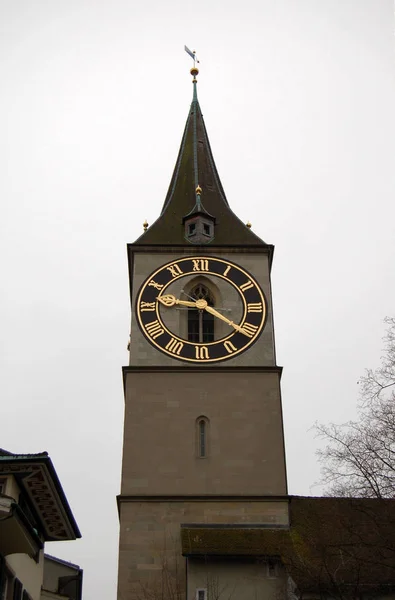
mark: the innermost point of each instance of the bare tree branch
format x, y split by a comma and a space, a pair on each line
359, 458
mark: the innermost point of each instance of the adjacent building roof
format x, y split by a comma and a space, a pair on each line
62, 579
37, 478
196, 187
348, 543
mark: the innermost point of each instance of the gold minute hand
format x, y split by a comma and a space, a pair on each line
170, 300
214, 312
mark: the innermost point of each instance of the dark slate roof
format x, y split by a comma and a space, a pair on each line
5, 452
12, 455
346, 543
66, 563
195, 166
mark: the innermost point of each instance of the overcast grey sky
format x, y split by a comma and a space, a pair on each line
298, 99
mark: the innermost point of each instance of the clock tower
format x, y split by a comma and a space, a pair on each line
203, 432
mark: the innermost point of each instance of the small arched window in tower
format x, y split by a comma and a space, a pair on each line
200, 322
202, 439
202, 426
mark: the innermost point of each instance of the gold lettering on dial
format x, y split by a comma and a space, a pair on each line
246, 286
230, 347
200, 264
175, 270
174, 346
254, 307
154, 329
201, 352
227, 270
144, 306
249, 330
157, 286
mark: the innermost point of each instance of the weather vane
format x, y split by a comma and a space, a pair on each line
192, 55
194, 70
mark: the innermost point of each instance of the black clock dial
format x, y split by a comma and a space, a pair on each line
154, 298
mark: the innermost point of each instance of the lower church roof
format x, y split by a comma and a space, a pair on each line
342, 542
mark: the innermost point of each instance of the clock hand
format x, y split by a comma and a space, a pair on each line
214, 312
187, 295
170, 300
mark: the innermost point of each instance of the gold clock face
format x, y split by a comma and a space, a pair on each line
154, 304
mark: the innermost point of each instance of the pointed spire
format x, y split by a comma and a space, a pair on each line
196, 210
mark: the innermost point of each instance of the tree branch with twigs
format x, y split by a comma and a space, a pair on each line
359, 457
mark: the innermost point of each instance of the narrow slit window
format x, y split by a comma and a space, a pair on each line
202, 439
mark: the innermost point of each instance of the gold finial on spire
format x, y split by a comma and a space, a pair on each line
248, 224
198, 190
145, 225
194, 71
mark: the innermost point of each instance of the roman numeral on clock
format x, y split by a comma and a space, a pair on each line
230, 348
157, 286
254, 307
200, 264
175, 270
154, 329
144, 306
249, 330
246, 286
201, 353
174, 346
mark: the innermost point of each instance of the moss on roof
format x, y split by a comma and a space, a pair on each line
338, 542
233, 541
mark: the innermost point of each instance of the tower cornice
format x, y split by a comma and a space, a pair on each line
127, 370
202, 249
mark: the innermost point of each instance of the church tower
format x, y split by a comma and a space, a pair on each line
203, 432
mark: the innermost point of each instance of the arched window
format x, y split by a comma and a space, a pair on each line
202, 441
200, 322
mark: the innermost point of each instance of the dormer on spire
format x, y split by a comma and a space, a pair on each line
199, 224
186, 218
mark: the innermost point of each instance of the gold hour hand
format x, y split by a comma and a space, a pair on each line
214, 312
170, 300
